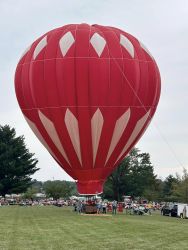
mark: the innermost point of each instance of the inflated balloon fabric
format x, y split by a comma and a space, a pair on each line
88, 93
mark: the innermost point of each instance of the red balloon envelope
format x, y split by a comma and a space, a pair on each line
88, 93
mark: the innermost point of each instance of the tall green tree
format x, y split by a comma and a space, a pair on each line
180, 189
17, 164
30, 193
59, 189
134, 176
154, 192
168, 187
38, 186
141, 175
116, 184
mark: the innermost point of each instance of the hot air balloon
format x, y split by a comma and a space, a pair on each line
88, 92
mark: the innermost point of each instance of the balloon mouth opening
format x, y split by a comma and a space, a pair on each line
93, 187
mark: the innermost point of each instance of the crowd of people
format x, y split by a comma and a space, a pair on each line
97, 206
102, 207
35, 202
138, 209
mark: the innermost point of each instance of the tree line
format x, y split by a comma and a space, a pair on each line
133, 177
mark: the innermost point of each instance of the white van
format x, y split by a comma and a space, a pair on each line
182, 210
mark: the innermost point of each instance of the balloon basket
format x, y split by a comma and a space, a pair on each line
90, 206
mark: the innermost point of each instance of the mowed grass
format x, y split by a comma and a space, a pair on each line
61, 228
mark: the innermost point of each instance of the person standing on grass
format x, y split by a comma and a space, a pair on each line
99, 206
184, 212
114, 207
79, 206
104, 206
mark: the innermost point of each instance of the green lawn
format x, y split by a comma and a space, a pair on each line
60, 228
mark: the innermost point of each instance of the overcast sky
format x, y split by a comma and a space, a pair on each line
162, 25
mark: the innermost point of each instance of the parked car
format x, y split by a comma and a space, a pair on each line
175, 210
170, 210
182, 211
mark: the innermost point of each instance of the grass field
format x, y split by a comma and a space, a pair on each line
23, 228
